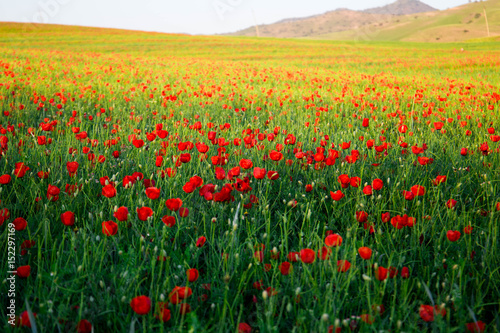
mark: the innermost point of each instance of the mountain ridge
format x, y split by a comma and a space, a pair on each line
345, 19
402, 7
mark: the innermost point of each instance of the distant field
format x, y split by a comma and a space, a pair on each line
162, 183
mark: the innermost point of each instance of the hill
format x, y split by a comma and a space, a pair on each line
452, 25
402, 7
336, 20
386, 24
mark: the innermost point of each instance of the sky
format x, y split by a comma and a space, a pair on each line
180, 16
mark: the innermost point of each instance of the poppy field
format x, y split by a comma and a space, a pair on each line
170, 183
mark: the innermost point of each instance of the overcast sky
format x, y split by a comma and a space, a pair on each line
179, 16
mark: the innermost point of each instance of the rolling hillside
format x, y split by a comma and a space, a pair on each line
453, 25
330, 22
383, 24
337, 20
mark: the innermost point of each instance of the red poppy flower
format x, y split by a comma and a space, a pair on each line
418, 190
138, 143
105, 181
259, 173
344, 181
207, 191
148, 183
168, 220
337, 196
183, 212
192, 274
438, 125
179, 293
365, 252
343, 266
333, 240
72, 168
84, 326
153, 193
361, 216
201, 241
185, 158
425, 160
25, 319
476, 327
399, 221
381, 273
427, 312
468, 230
346, 145
293, 256
386, 217
20, 170
393, 272
128, 181
121, 214
68, 218
439, 180
138, 175
453, 236
324, 253
4, 215
164, 313
272, 175
109, 228
24, 271
42, 174
377, 184
141, 305
202, 147
367, 190
220, 174
354, 182
197, 181
234, 172
20, 224
53, 193
307, 256
275, 155
244, 328
109, 191
246, 164
409, 195
333, 329
189, 187
405, 273
285, 268
451, 203
173, 204
5, 179
144, 212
